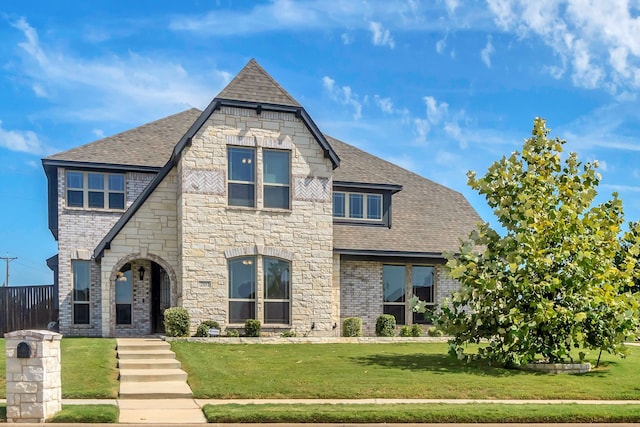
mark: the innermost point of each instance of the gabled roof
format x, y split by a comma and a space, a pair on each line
148, 145
267, 88
254, 84
427, 218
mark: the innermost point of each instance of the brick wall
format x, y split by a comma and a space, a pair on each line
79, 232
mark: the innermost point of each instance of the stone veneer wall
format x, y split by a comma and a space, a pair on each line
34, 384
361, 291
211, 231
150, 235
79, 232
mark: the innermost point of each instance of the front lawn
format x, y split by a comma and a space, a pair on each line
89, 368
432, 413
399, 370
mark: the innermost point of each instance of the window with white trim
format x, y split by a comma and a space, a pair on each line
95, 190
81, 276
357, 206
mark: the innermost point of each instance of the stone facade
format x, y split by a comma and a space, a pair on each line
212, 232
79, 232
361, 290
34, 386
150, 236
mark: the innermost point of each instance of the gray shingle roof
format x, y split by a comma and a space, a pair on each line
426, 217
148, 145
254, 84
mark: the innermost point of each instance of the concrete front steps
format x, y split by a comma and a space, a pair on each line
149, 370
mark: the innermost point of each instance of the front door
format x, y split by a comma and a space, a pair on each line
160, 297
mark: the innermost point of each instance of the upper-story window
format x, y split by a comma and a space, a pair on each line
276, 177
95, 190
360, 206
276, 180
241, 176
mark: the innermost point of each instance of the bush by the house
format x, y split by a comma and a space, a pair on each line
288, 334
352, 327
416, 330
252, 328
176, 322
231, 333
434, 332
385, 325
203, 328
405, 331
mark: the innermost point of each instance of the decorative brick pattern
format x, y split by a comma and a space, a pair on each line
315, 189
203, 181
282, 144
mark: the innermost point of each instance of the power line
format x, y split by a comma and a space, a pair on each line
7, 260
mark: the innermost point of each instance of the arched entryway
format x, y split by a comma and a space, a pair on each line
141, 291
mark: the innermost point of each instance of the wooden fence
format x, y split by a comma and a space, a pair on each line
27, 307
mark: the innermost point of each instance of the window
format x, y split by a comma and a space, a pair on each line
423, 287
242, 289
95, 190
277, 283
276, 166
394, 284
124, 296
363, 206
81, 285
241, 176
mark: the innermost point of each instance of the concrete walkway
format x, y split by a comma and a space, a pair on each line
153, 388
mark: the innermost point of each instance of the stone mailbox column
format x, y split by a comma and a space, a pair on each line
34, 389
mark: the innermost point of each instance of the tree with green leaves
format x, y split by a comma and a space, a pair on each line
561, 275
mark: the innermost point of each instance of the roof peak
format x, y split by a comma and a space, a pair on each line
254, 84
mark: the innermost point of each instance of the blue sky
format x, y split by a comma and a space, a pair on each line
438, 87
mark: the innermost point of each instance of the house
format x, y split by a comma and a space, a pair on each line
244, 210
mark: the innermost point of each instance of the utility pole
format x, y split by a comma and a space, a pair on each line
7, 260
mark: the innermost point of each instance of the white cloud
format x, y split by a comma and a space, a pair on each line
486, 52
343, 95
111, 88
452, 5
346, 38
385, 104
380, 36
435, 111
422, 129
441, 45
621, 188
99, 133
22, 141
598, 42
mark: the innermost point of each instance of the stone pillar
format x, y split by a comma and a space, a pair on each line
34, 388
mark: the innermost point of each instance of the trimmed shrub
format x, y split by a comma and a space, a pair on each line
203, 328
385, 325
434, 332
176, 322
231, 333
252, 328
288, 334
352, 327
416, 330
405, 331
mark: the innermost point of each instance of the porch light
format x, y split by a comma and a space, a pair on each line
141, 272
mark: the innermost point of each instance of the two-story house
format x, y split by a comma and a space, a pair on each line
245, 210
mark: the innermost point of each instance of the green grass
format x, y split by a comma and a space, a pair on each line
86, 414
432, 413
399, 370
89, 368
